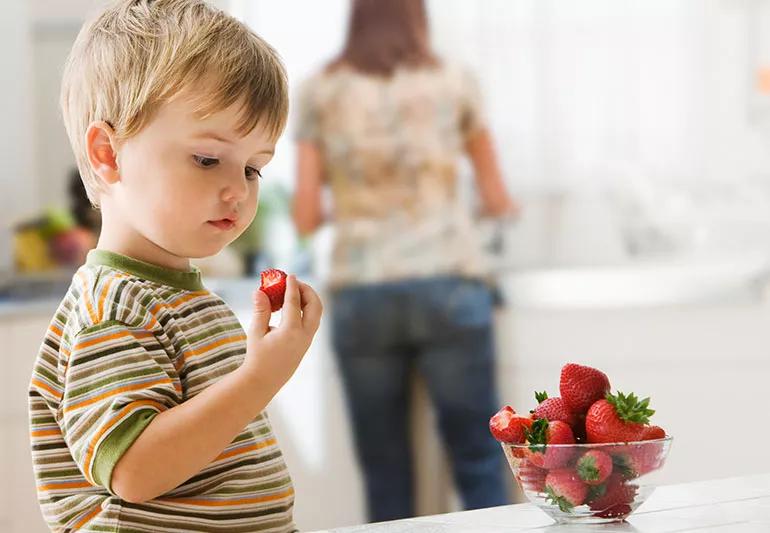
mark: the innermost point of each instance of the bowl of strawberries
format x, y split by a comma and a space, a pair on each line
586, 456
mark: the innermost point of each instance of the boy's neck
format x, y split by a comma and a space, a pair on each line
122, 238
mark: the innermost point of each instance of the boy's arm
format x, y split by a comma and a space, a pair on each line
181, 441
497, 202
307, 209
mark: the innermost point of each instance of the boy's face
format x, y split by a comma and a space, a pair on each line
188, 186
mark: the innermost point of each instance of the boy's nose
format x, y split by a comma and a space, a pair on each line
235, 190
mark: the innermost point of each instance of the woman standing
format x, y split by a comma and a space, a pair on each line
384, 125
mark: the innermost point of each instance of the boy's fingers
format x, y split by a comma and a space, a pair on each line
291, 314
312, 308
260, 322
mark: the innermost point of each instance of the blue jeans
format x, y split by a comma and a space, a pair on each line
442, 328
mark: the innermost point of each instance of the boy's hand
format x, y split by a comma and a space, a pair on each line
273, 354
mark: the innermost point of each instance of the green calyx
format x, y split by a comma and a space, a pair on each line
622, 466
596, 491
565, 506
587, 469
537, 435
541, 396
631, 409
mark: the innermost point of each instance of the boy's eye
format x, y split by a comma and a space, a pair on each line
204, 161
252, 173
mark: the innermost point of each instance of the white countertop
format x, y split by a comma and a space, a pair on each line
734, 505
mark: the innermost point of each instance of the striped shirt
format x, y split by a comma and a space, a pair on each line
129, 341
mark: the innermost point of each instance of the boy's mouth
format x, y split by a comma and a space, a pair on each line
223, 224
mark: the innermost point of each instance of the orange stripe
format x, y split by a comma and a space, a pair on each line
56, 331
207, 347
115, 392
70, 485
45, 386
187, 297
111, 423
247, 449
89, 307
87, 518
105, 289
226, 503
44, 433
103, 338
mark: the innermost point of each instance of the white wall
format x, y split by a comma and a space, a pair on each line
17, 188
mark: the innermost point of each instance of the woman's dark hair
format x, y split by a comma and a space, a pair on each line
384, 35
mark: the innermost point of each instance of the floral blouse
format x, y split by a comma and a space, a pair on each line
391, 148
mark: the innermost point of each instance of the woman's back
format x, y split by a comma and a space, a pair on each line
391, 148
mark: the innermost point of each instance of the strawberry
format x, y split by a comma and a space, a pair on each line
531, 477
553, 409
653, 433
637, 460
507, 426
542, 435
274, 285
564, 488
619, 418
594, 467
580, 386
613, 499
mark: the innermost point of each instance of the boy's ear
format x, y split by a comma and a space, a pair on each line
102, 152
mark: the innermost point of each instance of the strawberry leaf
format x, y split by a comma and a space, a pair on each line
587, 469
622, 465
565, 506
541, 396
537, 435
631, 409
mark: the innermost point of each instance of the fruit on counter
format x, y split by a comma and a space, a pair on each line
507, 426
618, 418
564, 488
578, 453
553, 409
580, 386
274, 285
542, 435
594, 467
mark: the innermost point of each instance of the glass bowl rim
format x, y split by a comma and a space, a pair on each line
590, 445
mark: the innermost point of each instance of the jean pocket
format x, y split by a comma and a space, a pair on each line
465, 303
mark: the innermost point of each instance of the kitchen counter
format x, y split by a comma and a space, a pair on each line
733, 505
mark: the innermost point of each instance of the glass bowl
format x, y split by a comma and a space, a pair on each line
587, 483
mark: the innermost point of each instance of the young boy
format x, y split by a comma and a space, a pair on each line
147, 398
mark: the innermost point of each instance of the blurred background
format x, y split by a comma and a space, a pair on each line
634, 135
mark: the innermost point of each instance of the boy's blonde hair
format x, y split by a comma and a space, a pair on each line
138, 54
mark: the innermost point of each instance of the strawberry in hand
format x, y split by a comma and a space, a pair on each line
618, 418
274, 285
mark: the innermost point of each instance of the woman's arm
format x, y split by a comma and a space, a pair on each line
497, 202
307, 209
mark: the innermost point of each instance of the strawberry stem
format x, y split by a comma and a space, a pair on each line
541, 396
631, 409
565, 506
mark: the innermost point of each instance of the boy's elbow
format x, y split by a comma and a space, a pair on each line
129, 487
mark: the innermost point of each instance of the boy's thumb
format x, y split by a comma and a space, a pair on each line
260, 322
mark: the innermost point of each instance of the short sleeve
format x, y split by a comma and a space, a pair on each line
307, 122
472, 118
117, 379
